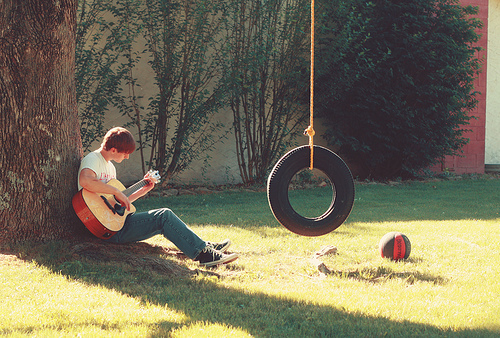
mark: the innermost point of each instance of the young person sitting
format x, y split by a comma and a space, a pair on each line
97, 169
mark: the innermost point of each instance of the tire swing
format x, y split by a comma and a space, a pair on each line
314, 157
334, 169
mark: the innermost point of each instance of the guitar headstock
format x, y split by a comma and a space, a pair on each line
153, 175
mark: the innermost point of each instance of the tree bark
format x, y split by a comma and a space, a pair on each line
40, 143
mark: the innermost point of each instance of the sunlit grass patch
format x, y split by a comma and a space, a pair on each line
449, 286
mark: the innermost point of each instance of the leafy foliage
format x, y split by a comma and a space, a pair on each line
263, 72
183, 48
204, 57
104, 34
396, 82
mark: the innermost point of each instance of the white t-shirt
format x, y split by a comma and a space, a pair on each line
104, 170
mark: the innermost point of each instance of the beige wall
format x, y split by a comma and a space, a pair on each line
217, 167
492, 147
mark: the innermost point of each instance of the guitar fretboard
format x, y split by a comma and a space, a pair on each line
133, 188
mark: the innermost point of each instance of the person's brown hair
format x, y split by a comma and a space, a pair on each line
120, 139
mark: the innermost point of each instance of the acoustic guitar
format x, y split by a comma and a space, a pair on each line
102, 214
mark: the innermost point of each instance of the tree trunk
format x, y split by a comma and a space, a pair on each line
40, 143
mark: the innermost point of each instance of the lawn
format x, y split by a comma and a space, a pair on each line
449, 286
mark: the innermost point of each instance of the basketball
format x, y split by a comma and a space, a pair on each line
395, 245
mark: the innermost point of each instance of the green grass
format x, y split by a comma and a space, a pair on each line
448, 287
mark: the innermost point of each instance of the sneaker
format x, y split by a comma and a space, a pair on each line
211, 257
221, 246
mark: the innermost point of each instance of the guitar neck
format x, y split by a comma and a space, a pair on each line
133, 188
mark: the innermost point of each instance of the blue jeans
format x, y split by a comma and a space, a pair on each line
144, 225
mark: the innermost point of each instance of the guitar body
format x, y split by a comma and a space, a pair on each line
101, 213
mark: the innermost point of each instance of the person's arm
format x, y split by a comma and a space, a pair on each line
143, 191
88, 180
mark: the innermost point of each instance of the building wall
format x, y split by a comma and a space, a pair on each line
473, 158
492, 146
217, 167
220, 166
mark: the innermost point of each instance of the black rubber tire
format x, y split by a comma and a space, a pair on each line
342, 184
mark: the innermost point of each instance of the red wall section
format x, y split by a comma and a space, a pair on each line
473, 153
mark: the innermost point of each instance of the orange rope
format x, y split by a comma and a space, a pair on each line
310, 130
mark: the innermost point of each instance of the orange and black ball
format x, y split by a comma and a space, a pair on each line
395, 245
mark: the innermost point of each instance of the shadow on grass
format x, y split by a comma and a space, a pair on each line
155, 276
382, 274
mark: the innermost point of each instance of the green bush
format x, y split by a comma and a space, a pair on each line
395, 82
263, 70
